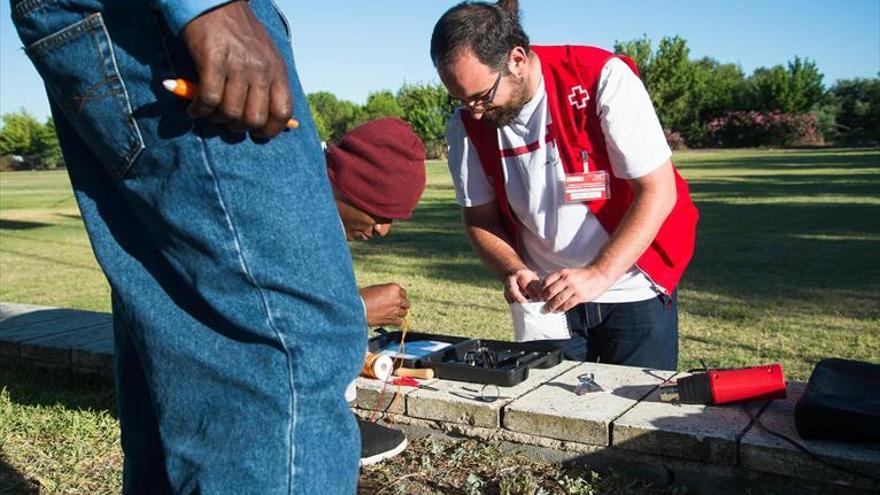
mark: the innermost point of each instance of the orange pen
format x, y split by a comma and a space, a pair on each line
187, 89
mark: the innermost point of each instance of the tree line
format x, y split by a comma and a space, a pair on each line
700, 102
25, 143
705, 103
426, 107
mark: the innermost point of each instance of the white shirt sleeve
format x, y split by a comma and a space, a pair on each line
633, 135
472, 187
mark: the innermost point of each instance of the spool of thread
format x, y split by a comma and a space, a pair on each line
377, 366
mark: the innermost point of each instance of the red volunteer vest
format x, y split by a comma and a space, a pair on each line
571, 77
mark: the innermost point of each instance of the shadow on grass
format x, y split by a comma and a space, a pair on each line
51, 260
31, 386
21, 225
784, 161
28, 385
754, 240
804, 185
53, 242
13, 482
73, 216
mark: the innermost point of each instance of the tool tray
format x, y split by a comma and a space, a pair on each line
511, 368
451, 363
384, 338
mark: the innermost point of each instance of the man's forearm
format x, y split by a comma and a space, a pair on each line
495, 249
484, 228
650, 207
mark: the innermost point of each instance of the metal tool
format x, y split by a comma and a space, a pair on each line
587, 384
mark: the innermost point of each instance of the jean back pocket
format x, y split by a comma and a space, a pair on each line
79, 69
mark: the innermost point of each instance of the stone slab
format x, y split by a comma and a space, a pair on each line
13, 315
98, 355
57, 348
553, 410
9, 310
16, 319
370, 395
10, 350
761, 451
464, 403
41, 329
689, 431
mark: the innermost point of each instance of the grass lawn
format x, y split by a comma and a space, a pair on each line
787, 269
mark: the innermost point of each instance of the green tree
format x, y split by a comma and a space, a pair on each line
427, 108
796, 88
688, 94
22, 134
639, 50
807, 89
674, 82
674, 86
320, 126
379, 104
46, 145
336, 116
723, 88
717, 89
858, 107
18, 132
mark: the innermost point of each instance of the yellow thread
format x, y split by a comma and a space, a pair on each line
401, 351
404, 328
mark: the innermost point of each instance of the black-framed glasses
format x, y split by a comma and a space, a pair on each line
482, 100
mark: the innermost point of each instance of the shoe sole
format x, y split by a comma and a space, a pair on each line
367, 461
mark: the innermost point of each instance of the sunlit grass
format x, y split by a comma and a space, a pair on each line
787, 270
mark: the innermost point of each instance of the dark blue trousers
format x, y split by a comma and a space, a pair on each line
642, 333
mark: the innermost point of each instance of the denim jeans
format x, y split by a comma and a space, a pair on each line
237, 320
642, 333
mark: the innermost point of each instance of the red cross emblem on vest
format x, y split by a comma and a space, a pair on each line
578, 97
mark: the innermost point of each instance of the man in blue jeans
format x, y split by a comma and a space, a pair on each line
237, 320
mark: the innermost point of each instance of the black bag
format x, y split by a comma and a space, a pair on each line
841, 402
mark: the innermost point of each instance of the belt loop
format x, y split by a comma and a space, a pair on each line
591, 313
588, 322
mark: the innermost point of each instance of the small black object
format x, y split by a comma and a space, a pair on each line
511, 358
841, 402
693, 389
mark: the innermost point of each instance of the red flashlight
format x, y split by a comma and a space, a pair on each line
728, 385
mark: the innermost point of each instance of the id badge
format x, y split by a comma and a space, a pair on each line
589, 186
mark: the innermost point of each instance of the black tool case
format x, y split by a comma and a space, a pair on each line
451, 363
384, 337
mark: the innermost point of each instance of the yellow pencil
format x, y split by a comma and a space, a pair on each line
187, 89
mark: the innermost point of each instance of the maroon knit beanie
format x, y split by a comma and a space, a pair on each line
379, 167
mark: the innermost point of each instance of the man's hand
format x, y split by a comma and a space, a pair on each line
567, 288
242, 77
386, 304
522, 286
